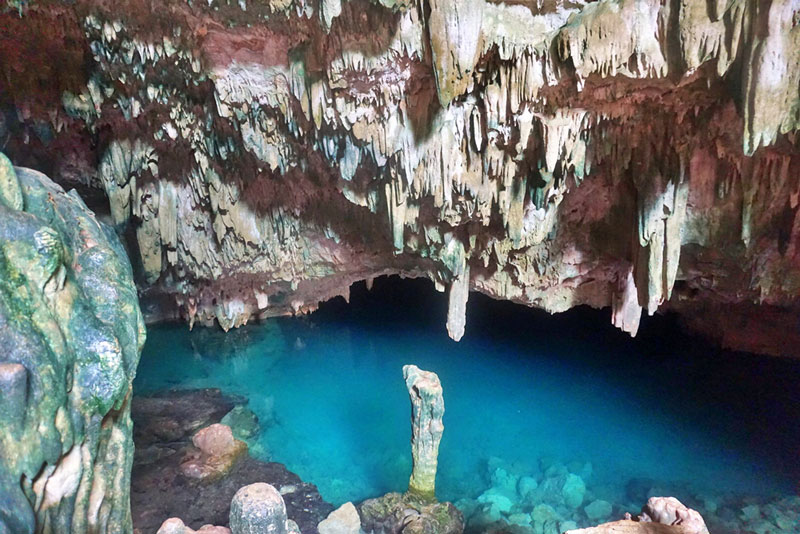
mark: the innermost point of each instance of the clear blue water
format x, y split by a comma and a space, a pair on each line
521, 386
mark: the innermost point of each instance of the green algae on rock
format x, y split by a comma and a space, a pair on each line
72, 333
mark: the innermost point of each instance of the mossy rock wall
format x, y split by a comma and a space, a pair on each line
71, 333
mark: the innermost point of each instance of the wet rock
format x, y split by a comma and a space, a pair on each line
215, 453
427, 403
343, 520
670, 511
243, 422
258, 509
174, 415
159, 489
395, 513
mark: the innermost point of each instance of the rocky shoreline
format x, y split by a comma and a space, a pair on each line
164, 425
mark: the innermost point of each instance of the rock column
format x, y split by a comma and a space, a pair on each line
427, 405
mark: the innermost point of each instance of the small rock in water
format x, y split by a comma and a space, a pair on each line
545, 519
598, 509
343, 520
497, 499
243, 422
751, 512
216, 453
258, 508
504, 481
526, 485
520, 519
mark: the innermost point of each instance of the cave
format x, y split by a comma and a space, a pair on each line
237, 238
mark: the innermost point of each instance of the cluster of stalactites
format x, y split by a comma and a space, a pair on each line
495, 150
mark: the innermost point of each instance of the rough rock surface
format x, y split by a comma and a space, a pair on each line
397, 513
165, 424
71, 333
175, 526
626, 526
670, 511
259, 509
427, 410
343, 520
262, 156
214, 455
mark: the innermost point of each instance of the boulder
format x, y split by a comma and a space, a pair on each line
214, 454
215, 440
598, 509
573, 491
343, 520
259, 509
670, 511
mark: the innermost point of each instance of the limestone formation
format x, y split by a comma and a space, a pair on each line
343, 520
427, 410
71, 332
632, 154
259, 509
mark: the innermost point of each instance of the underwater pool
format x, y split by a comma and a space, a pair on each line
527, 396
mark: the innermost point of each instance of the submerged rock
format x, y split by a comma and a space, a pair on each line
71, 333
573, 491
598, 509
427, 405
243, 422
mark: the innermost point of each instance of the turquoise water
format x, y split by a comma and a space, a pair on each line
522, 390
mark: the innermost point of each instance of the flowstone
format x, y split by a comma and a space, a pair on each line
71, 332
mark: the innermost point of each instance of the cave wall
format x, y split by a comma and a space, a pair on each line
261, 156
71, 333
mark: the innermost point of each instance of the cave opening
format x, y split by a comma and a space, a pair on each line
562, 410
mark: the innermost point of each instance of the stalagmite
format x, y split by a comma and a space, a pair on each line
427, 406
